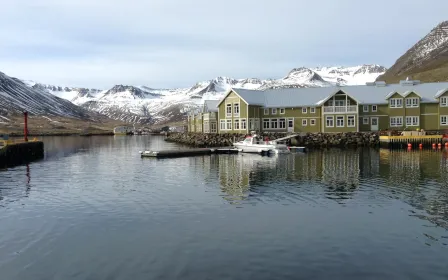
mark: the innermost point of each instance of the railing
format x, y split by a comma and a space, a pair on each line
340, 109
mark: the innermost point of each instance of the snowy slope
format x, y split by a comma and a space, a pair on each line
427, 60
17, 97
141, 104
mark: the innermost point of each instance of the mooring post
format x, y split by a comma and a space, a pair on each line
25, 132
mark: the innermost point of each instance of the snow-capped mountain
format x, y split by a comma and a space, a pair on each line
427, 60
142, 104
17, 97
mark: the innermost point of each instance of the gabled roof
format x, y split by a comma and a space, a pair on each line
296, 97
210, 106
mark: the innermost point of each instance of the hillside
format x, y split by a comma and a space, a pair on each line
426, 61
146, 105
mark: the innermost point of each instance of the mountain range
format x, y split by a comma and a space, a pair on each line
145, 105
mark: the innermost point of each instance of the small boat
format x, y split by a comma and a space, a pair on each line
253, 144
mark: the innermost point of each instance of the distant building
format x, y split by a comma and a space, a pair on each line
123, 130
408, 105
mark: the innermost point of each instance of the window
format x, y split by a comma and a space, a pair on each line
266, 111
396, 121
222, 124
411, 102
330, 102
313, 122
257, 124
282, 111
266, 123
236, 109
312, 110
339, 103
412, 121
274, 123
444, 101
350, 121
443, 120
251, 124
229, 124
282, 123
243, 124
329, 121
365, 120
303, 110
365, 108
340, 121
304, 122
396, 103
228, 110
274, 111
236, 124
374, 108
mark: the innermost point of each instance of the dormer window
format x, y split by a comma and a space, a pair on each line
444, 101
274, 111
411, 102
396, 103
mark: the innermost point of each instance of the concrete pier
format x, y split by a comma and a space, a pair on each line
187, 152
15, 153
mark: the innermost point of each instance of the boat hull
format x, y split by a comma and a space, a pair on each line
271, 149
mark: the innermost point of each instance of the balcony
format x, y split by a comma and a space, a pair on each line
340, 109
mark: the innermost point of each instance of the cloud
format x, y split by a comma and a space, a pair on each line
177, 43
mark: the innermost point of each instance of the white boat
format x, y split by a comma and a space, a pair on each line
254, 144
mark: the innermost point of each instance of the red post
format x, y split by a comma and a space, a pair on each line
25, 132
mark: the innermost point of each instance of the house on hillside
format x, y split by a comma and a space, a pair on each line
408, 105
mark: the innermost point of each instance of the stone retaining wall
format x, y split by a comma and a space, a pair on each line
305, 139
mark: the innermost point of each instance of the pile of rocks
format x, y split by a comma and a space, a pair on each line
304, 139
336, 139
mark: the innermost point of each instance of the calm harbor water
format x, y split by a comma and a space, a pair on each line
93, 209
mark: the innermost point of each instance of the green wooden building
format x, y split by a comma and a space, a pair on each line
408, 105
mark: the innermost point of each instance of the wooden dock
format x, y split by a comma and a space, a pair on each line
413, 141
187, 152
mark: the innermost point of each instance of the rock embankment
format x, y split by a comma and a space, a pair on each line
304, 139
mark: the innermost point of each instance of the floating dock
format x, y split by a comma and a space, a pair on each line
414, 141
188, 152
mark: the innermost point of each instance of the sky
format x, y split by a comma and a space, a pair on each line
176, 43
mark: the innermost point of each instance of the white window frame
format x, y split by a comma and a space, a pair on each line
280, 122
222, 124
228, 105
354, 121
304, 110
282, 111
304, 122
235, 107
243, 124
268, 122
274, 122
365, 108
312, 122
393, 121
442, 121
338, 118
444, 101
266, 111
412, 120
374, 108
236, 124
228, 124
274, 111
312, 110
393, 103
365, 120
410, 102
339, 103
329, 118
213, 127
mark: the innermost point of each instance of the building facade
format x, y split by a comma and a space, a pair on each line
409, 105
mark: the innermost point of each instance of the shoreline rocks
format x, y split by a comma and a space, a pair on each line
309, 140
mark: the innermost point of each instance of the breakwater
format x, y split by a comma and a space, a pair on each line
19, 153
311, 140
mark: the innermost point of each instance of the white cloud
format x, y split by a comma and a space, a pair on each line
176, 43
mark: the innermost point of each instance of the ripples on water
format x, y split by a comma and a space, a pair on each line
93, 209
